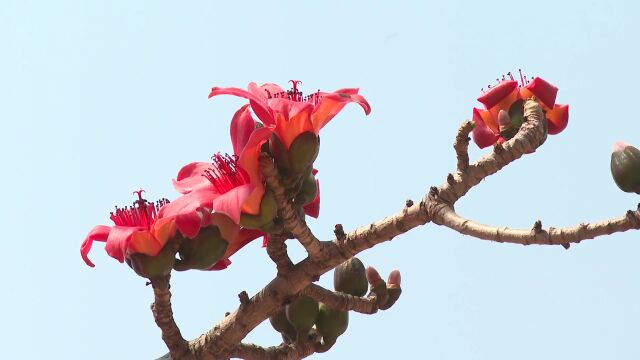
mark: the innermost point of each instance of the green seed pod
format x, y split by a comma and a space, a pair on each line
350, 278
303, 151
282, 325
625, 167
203, 251
152, 267
331, 323
302, 314
268, 211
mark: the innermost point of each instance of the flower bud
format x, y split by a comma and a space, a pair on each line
350, 278
393, 289
303, 151
331, 323
302, 314
378, 286
309, 189
203, 251
625, 167
283, 326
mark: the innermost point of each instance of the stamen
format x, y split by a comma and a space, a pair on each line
225, 174
295, 94
521, 78
142, 213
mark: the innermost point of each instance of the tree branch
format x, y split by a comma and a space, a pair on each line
163, 315
281, 352
550, 236
461, 145
292, 221
277, 251
341, 301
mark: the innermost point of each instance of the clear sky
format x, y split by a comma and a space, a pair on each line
100, 98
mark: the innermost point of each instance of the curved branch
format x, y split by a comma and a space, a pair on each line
277, 251
280, 352
461, 145
538, 235
291, 219
341, 301
163, 315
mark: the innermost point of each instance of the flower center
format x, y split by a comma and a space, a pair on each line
225, 174
294, 94
141, 213
509, 76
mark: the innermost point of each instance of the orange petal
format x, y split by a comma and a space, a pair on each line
252, 204
503, 104
557, 119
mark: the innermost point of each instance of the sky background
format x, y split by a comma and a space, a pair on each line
100, 98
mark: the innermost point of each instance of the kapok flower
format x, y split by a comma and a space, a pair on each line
503, 112
289, 113
140, 230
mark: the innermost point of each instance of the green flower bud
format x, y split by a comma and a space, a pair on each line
268, 211
283, 326
203, 251
350, 278
625, 167
279, 153
302, 314
303, 151
309, 189
331, 323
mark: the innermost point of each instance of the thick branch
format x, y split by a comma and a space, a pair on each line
163, 315
280, 352
341, 301
277, 250
292, 221
550, 236
461, 145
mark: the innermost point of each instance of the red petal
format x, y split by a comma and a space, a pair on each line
242, 125
98, 233
244, 237
221, 265
313, 208
118, 241
190, 178
188, 203
332, 103
258, 103
543, 91
250, 154
557, 119
230, 203
495, 94
482, 135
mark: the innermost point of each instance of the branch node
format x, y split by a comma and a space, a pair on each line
450, 179
244, 298
338, 230
408, 203
498, 148
433, 191
537, 227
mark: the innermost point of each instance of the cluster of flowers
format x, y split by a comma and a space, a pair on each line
224, 203
504, 113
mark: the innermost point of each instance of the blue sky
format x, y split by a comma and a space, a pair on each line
101, 98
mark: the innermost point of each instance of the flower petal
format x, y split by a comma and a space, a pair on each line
228, 229
244, 237
258, 103
482, 135
542, 90
497, 93
221, 265
557, 119
230, 203
190, 178
332, 103
119, 238
242, 125
188, 203
98, 233
292, 119
250, 154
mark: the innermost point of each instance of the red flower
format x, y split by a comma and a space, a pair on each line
504, 113
140, 230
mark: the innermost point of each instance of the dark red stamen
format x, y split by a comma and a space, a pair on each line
141, 213
225, 174
296, 95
